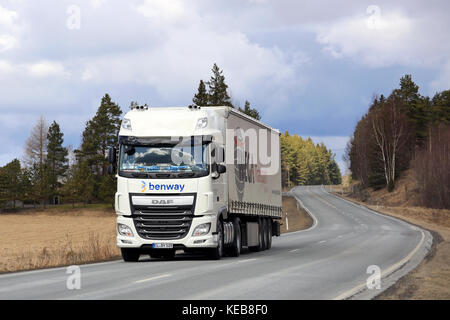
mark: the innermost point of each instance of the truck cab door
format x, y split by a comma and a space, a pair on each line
219, 181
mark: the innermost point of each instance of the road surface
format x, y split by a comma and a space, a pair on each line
328, 261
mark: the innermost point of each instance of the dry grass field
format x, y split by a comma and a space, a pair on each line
35, 239
298, 218
50, 238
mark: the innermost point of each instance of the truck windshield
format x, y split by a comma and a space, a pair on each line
172, 160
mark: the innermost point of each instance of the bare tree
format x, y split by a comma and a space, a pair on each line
432, 168
36, 144
34, 158
391, 132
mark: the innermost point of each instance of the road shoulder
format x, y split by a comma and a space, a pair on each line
430, 278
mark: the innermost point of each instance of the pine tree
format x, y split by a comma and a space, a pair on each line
69, 188
100, 133
83, 182
38, 188
107, 189
10, 186
56, 162
441, 107
250, 111
201, 98
416, 107
25, 184
217, 93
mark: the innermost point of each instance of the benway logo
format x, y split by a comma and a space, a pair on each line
161, 187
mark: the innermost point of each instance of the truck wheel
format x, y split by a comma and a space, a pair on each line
269, 233
260, 246
265, 234
130, 254
235, 249
217, 253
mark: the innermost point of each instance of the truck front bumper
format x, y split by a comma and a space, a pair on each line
206, 241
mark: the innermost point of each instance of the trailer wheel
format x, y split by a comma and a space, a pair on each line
130, 254
217, 253
260, 246
265, 233
269, 232
235, 249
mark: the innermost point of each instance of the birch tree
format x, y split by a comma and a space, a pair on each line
391, 132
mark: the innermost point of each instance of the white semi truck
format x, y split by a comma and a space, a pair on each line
198, 179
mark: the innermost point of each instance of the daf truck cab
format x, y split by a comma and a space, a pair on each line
197, 179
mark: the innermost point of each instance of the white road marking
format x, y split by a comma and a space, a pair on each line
385, 273
247, 260
295, 250
322, 241
154, 278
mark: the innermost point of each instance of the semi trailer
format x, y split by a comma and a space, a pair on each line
197, 179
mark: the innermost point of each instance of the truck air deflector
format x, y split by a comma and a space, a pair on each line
165, 141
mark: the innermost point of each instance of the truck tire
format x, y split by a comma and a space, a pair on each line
130, 254
269, 232
235, 249
265, 233
260, 246
217, 253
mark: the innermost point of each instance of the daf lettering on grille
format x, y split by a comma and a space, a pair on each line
162, 201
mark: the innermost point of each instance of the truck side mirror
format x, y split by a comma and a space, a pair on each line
221, 168
220, 154
112, 155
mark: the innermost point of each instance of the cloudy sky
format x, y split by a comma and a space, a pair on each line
310, 67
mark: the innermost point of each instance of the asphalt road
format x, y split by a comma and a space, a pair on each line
327, 261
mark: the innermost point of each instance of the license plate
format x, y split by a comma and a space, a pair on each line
162, 245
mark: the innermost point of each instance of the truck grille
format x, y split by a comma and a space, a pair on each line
163, 222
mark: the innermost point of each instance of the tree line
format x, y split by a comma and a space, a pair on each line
46, 175
306, 163
401, 131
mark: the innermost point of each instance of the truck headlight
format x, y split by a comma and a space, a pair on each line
124, 230
126, 123
201, 229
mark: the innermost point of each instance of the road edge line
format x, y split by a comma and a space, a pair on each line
426, 237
